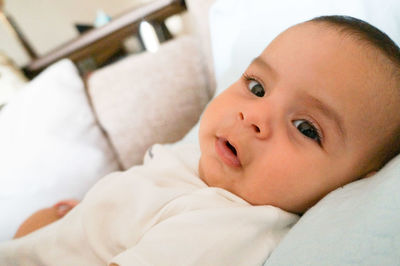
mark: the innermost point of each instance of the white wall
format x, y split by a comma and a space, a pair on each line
48, 23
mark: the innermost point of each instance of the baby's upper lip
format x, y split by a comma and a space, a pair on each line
234, 145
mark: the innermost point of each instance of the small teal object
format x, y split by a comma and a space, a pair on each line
101, 19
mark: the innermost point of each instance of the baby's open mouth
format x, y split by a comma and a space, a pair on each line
227, 152
231, 147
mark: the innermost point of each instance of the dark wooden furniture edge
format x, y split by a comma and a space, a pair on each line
108, 35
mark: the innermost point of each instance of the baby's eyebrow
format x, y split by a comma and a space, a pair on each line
261, 62
326, 110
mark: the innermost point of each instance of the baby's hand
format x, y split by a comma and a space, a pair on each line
45, 216
64, 206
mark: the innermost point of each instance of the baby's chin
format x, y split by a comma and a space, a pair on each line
295, 206
300, 209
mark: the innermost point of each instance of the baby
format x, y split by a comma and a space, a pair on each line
316, 110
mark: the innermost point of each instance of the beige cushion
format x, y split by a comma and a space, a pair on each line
150, 97
11, 79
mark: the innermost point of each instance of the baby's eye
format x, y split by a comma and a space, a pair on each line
256, 88
307, 129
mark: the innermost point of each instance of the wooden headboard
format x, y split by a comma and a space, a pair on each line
91, 46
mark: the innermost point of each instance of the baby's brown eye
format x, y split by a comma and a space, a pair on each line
256, 88
307, 129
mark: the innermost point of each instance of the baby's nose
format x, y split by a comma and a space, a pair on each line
255, 123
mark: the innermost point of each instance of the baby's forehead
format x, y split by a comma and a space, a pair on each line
320, 33
334, 40
365, 38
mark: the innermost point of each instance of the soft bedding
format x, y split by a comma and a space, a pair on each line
51, 146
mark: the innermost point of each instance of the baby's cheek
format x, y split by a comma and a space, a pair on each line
289, 181
208, 170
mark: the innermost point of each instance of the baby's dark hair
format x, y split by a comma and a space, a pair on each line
367, 33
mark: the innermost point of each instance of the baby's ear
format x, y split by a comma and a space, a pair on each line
370, 174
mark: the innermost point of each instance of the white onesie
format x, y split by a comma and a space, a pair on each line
159, 213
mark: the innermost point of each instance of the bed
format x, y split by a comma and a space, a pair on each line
105, 122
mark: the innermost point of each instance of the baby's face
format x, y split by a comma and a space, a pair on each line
302, 121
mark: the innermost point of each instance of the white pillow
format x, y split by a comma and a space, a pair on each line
51, 146
356, 225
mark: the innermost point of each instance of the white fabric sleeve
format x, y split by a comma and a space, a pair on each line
220, 236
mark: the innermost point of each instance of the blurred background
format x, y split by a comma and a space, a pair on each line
46, 24
93, 33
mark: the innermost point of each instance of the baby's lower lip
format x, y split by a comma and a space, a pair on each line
226, 155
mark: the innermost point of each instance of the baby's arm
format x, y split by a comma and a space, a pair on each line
45, 216
69, 241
